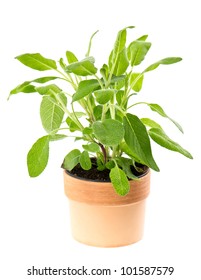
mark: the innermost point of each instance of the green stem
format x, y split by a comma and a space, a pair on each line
99, 80
136, 104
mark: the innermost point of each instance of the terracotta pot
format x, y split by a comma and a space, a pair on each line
100, 217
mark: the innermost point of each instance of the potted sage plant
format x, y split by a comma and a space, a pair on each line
108, 180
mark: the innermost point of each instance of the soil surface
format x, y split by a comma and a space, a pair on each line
102, 176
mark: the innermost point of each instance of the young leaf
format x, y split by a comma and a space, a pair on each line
85, 88
136, 80
125, 164
37, 61
109, 132
92, 147
46, 90
119, 181
84, 67
85, 161
87, 130
165, 61
119, 45
157, 108
104, 95
97, 111
72, 125
71, 57
122, 63
150, 123
27, 88
159, 136
71, 159
136, 137
51, 114
56, 137
37, 157
137, 51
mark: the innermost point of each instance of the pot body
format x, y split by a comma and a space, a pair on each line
100, 217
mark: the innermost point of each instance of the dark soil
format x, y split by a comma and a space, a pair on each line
103, 176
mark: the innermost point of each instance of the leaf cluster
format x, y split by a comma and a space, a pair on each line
117, 138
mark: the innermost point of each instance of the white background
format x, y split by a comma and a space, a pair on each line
35, 225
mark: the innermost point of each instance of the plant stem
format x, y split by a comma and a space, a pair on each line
104, 152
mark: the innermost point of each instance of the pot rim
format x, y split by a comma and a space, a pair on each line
100, 181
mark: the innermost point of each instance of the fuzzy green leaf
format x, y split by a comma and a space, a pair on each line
104, 95
92, 147
125, 164
46, 90
157, 108
109, 132
122, 63
119, 45
71, 159
136, 137
136, 80
165, 61
137, 51
71, 58
84, 67
51, 114
27, 88
85, 88
150, 123
85, 161
37, 61
159, 136
56, 137
37, 157
119, 181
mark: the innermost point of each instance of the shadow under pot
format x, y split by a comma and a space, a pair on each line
102, 218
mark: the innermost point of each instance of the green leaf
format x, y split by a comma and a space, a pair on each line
37, 157
27, 88
104, 95
97, 111
136, 137
157, 108
46, 90
72, 125
165, 61
109, 132
124, 148
122, 63
159, 136
37, 61
125, 164
92, 147
150, 123
119, 181
136, 80
87, 130
71, 57
143, 38
85, 161
56, 137
71, 159
85, 88
51, 114
137, 51
119, 45
84, 67
119, 96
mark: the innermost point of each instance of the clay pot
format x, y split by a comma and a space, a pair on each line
102, 218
